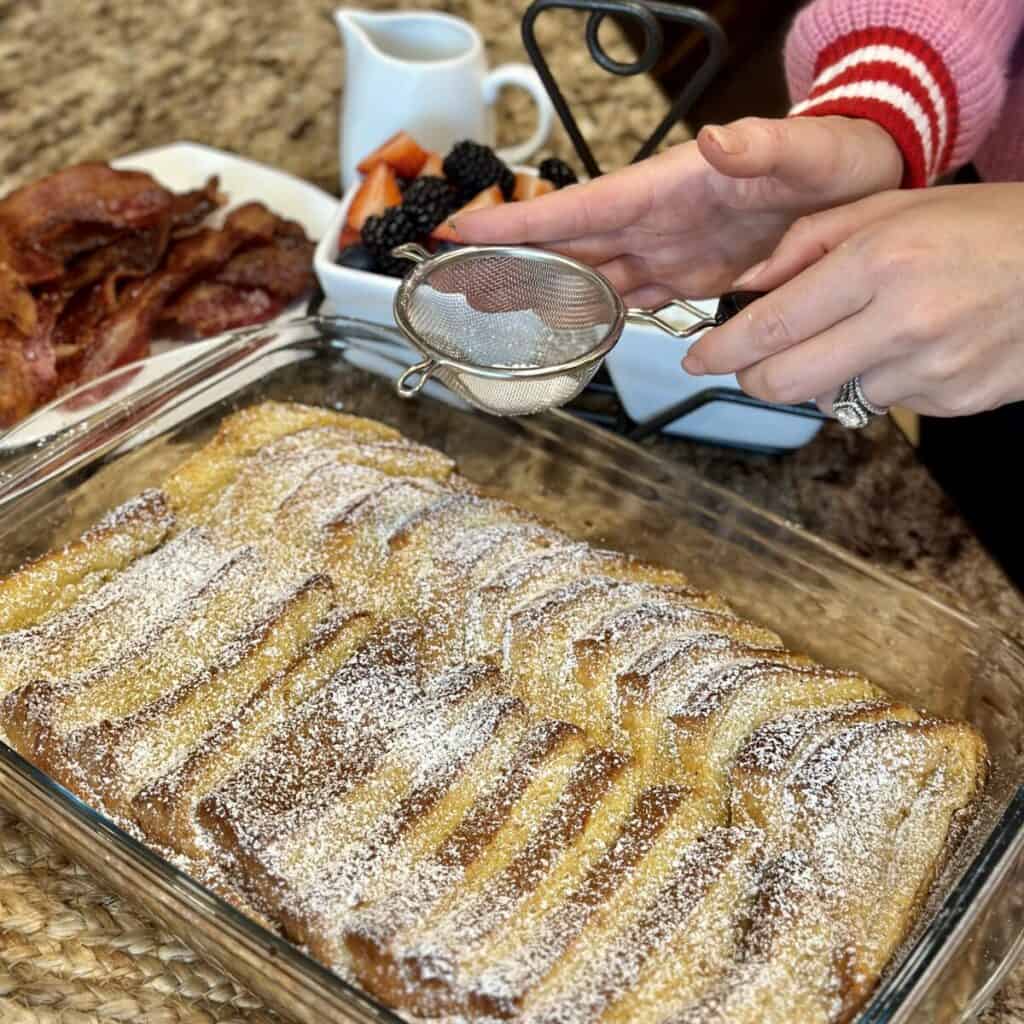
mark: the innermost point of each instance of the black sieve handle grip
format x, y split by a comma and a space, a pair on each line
732, 303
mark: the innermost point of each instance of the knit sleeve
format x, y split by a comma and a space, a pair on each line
931, 72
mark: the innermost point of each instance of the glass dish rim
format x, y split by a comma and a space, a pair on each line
894, 996
215, 904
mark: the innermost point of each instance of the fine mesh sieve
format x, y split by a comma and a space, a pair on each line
516, 330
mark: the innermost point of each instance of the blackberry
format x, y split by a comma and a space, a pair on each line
558, 172
428, 201
381, 234
507, 183
356, 257
471, 168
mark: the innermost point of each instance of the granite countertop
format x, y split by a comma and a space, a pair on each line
98, 79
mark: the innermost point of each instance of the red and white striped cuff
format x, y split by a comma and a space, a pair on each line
896, 79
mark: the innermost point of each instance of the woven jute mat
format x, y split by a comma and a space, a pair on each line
71, 952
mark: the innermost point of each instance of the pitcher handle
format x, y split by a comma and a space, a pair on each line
525, 77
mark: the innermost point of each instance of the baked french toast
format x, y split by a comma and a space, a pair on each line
481, 769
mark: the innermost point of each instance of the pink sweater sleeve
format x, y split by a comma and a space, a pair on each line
932, 72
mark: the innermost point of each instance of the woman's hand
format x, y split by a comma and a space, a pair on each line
688, 221
920, 293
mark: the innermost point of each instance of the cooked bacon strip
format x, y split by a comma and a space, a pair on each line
139, 250
29, 266
190, 209
28, 371
254, 285
124, 335
284, 267
90, 292
133, 255
17, 388
17, 306
38, 346
92, 194
75, 329
76, 240
48, 222
210, 307
71, 241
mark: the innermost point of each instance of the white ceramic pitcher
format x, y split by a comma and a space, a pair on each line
425, 73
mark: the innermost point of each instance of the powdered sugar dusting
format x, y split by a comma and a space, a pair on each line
102, 628
488, 772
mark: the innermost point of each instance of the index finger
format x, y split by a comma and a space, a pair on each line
610, 203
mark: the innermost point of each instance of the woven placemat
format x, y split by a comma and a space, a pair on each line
72, 952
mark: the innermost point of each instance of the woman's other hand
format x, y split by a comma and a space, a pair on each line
920, 293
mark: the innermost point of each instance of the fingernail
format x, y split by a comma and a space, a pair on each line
751, 275
727, 140
692, 365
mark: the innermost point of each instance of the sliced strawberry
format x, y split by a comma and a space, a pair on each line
433, 165
349, 236
529, 186
401, 152
378, 191
444, 232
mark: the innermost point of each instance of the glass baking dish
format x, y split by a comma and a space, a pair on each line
822, 600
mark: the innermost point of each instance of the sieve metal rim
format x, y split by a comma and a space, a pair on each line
519, 373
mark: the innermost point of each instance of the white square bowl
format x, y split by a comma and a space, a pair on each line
357, 293
644, 365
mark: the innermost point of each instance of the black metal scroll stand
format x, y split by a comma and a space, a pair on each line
649, 14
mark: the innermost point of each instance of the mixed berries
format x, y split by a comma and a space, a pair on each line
409, 194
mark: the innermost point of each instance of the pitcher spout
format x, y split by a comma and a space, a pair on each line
355, 27
408, 37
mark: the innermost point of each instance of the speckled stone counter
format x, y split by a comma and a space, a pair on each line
82, 79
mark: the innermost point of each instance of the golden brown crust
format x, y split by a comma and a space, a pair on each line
57, 580
119, 756
485, 769
166, 807
94, 642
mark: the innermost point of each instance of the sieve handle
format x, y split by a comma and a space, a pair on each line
410, 251
425, 371
729, 305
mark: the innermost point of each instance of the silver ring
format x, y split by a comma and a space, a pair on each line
852, 409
